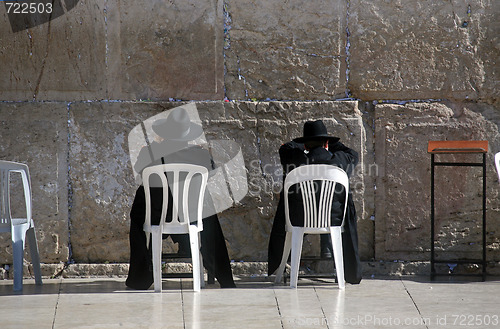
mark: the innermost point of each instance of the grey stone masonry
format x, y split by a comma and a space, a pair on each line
386, 76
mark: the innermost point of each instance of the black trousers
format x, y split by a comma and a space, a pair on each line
213, 245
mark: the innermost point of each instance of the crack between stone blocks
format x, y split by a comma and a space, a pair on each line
61, 272
227, 47
31, 51
57, 305
325, 318
278, 308
227, 41
347, 51
404, 102
424, 321
106, 40
182, 303
70, 184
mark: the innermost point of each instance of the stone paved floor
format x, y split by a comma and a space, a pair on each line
408, 302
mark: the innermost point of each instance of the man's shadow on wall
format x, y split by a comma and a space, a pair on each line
45, 11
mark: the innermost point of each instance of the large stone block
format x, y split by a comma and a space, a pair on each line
101, 179
405, 49
402, 197
165, 49
36, 134
62, 59
116, 50
285, 49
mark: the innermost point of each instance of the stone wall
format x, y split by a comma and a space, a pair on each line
403, 184
385, 75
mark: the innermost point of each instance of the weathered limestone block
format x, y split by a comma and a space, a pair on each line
404, 49
116, 50
402, 198
62, 59
36, 134
165, 49
285, 50
101, 178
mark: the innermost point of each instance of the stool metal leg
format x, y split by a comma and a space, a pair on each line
484, 216
433, 269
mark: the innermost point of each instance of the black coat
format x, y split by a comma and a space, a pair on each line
292, 155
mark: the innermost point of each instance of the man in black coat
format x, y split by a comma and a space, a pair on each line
317, 147
176, 131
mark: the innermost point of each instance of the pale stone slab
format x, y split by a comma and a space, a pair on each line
62, 59
405, 49
36, 134
165, 49
285, 50
402, 197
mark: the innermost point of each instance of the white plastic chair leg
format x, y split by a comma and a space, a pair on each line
336, 235
284, 258
17, 255
18, 243
202, 274
195, 254
297, 239
18, 235
35, 257
156, 245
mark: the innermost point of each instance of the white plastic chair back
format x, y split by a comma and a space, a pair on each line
317, 214
186, 183
497, 164
19, 227
6, 167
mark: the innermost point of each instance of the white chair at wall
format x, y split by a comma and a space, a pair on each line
20, 228
181, 180
317, 215
497, 164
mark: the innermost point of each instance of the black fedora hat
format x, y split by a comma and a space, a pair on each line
177, 126
315, 130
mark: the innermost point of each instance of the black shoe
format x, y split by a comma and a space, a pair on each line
227, 285
326, 246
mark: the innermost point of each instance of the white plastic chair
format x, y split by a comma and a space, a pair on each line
317, 215
18, 227
497, 164
172, 175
